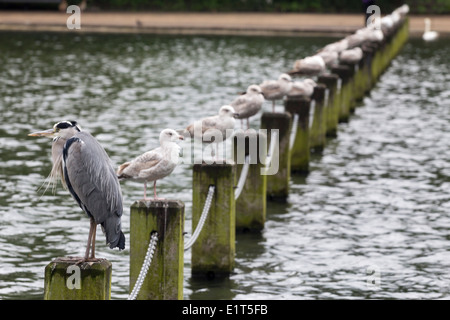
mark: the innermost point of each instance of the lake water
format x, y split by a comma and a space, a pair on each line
371, 220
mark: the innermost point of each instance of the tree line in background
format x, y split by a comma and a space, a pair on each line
319, 6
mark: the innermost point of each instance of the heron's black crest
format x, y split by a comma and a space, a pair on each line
67, 124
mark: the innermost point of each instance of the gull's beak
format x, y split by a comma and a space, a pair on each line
46, 133
263, 95
180, 137
235, 115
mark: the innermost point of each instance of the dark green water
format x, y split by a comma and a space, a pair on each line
371, 220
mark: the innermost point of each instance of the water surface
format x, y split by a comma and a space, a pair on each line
370, 220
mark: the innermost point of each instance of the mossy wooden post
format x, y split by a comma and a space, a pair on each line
213, 251
369, 82
332, 107
66, 279
300, 152
251, 203
164, 280
318, 130
278, 183
345, 92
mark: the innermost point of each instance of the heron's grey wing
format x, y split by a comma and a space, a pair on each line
93, 183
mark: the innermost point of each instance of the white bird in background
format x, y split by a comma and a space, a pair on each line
155, 164
303, 88
214, 128
310, 65
249, 103
276, 89
429, 35
351, 56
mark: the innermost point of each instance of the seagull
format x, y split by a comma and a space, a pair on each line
310, 65
303, 88
155, 164
276, 89
249, 103
351, 56
329, 57
428, 34
214, 128
336, 46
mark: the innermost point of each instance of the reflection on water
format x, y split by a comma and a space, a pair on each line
369, 221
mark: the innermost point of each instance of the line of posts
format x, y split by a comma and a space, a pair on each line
335, 96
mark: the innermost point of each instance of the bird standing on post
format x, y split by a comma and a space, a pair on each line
86, 171
214, 128
249, 103
155, 164
276, 89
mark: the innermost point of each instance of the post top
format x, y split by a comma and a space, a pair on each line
158, 203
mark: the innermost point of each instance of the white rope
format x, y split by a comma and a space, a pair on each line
271, 148
242, 178
202, 220
293, 131
145, 266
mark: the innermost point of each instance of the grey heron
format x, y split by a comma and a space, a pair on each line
86, 171
155, 164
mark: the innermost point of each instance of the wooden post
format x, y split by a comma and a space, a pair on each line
251, 203
278, 183
332, 108
213, 252
66, 279
345, 92
318, 130
164, 280
300, 152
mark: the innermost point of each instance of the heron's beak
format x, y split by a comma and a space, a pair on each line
46, 133
235, 115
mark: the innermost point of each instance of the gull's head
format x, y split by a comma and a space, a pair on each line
228, 111
285, 77
63, 129
254, 89
169, 135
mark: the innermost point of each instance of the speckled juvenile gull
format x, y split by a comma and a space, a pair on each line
249, 103
303, 88
276, 89
155, 164
214, 128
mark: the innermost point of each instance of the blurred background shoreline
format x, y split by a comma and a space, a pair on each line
204, 23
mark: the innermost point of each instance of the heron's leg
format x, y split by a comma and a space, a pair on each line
86, 255
94, 227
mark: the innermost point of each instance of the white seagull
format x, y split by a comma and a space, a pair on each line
429, 35
249, 103
351, 56
303, 88
310, 65
276, 89
155, 164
